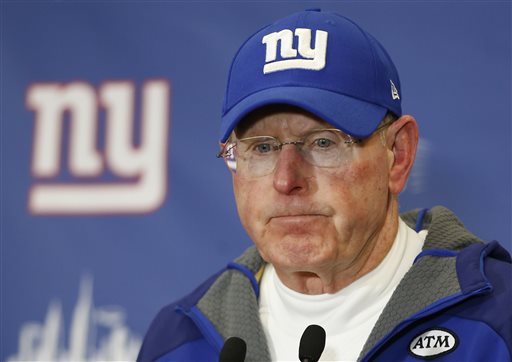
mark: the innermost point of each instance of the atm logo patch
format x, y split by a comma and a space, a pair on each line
433, 343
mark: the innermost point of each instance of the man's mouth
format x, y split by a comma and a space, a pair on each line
295, 218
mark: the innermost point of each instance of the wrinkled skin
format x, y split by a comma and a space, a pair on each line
323, 228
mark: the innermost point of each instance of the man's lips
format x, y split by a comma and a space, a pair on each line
297, 224
286, 216
303, 212
295, 218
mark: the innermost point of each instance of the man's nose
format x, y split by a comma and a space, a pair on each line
289, 173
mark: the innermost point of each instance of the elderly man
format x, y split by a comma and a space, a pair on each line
319, 150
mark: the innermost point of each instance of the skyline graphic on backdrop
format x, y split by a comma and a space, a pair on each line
94, 333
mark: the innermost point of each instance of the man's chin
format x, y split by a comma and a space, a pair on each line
303, 259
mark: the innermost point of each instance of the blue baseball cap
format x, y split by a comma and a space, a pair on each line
319, 61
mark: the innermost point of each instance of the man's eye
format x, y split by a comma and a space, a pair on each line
263, 147
323, 142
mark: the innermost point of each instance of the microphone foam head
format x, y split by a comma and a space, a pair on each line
234, 350
312, 343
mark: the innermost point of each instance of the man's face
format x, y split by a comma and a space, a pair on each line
305, 218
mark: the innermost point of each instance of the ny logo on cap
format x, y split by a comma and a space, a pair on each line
311, 58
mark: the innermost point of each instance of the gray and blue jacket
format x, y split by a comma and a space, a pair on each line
454, 304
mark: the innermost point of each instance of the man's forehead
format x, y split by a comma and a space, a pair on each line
277, 117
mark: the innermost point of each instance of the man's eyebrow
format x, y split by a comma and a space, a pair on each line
298, 135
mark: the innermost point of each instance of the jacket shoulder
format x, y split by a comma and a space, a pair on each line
492, 308
171, 329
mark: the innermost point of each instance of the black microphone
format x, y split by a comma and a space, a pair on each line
234, 350
312, 344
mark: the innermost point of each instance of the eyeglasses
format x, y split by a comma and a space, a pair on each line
257, 156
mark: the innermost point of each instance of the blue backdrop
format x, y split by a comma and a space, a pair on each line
97, 235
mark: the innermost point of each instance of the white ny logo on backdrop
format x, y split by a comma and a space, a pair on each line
142, 169
311, 58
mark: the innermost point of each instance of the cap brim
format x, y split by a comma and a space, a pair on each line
353, 116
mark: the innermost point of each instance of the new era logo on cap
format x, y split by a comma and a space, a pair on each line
310, 58
394, 91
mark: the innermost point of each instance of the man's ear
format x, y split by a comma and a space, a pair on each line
402, 141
